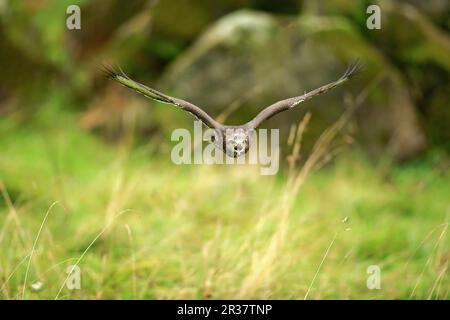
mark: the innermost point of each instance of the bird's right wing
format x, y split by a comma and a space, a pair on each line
123, 79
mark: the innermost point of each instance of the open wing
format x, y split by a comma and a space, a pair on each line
289, 103
123, 79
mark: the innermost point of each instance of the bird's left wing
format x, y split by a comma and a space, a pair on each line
289, 103
123, 79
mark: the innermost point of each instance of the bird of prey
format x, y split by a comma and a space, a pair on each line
232, 140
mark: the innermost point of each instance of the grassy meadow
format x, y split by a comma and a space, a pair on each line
141, 227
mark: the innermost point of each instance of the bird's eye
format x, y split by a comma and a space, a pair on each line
213, 138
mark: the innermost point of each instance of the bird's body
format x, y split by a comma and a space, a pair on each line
232, 140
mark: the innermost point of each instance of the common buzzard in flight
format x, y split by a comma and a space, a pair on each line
233, 140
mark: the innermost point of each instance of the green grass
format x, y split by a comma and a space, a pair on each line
212, 231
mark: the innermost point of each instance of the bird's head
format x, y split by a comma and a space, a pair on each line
236, 141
